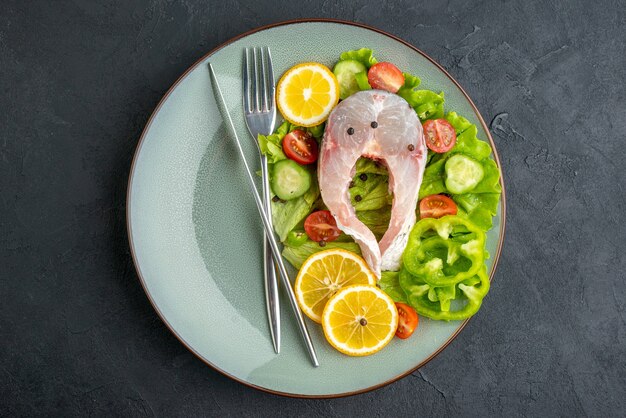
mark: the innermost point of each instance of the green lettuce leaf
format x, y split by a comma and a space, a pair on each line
364, 55
390, 284
427, 104
434, 179
284, 128
297, 255
479, 208
286, 215
410, 84
367, 166
373, 192
467, 143
459, 123
271, 146
376, 220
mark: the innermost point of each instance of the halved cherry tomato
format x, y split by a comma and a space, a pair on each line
321, 226
385, 76
407, 321
436, 206
301, 147
440, 135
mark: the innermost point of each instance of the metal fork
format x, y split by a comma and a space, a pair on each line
259, 106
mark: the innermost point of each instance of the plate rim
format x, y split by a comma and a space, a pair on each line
147, 128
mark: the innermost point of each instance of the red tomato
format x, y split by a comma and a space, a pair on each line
407, 320
301, 147
321, 226
385, 76
440, 135
436, 206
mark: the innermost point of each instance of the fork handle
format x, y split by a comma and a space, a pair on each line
272, 301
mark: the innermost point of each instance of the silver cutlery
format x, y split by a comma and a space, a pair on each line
259, 108
266, 223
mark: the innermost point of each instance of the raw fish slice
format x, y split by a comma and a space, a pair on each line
382, 126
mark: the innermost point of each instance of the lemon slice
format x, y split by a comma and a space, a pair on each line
323, 274
307, 93
360, 320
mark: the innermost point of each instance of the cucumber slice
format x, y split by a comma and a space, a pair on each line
462, 173
345, 72
290, 179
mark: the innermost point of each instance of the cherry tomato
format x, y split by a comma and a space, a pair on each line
436, 206
440, 135
301, 147
407, 321
385, 76
321, 226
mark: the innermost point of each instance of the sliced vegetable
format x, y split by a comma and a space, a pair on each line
301, 147
296, 238
346, 71
448, 303
440, 135
385, 76
444, 251
407, 321
436, 206
290, 180
463, 173
321, 226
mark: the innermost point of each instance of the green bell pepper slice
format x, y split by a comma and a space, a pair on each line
449, 303
444, 251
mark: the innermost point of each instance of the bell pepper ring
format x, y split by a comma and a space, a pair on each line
444, 251
448, 303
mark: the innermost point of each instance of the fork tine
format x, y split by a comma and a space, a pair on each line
257, 105
246, 81
264, 83
270, 77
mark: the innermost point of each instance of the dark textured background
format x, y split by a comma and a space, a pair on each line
78, 81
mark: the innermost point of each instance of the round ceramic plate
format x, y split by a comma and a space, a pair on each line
196, 237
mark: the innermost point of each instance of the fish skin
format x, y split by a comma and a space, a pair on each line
389, 143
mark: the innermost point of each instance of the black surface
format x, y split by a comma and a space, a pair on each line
78, 81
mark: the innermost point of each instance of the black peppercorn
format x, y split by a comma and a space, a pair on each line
351, 185
350, 131
374, 124
411, 147
322, 243
363, 177
358, 198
